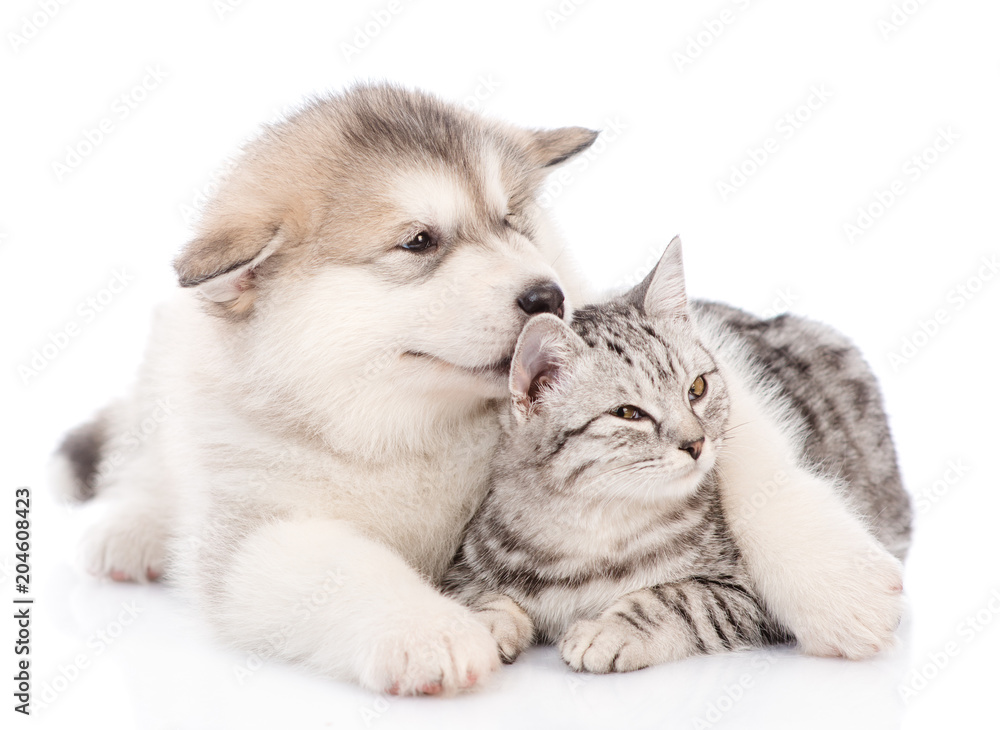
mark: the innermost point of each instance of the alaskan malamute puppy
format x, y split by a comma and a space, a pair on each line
326, 385
330, 368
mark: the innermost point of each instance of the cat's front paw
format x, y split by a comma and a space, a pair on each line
508, 623
854, 606
606, 644
438, 652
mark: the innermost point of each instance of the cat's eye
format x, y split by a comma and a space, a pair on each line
420, 243
697, 389
629, 413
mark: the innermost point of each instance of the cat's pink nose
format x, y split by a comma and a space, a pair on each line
693, 448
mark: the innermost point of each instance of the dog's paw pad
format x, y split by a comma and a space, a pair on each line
436, 654
126, 548
853, 613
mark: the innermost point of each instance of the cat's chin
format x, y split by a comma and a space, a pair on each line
682, 485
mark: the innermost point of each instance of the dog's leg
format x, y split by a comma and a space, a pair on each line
820, 572
320, 592
129, 542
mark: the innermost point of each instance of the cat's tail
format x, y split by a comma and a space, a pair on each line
76, 461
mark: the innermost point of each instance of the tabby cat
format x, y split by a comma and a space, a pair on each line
603, 529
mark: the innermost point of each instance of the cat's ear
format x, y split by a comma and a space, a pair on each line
662, 294
544, 351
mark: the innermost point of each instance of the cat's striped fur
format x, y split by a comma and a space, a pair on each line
607, 534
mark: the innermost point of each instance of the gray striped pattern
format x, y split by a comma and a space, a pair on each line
596, 528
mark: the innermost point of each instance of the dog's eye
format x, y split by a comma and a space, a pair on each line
629, 413
519, 224
514, 222
419, 243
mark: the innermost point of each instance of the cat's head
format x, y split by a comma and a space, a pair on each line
626, 403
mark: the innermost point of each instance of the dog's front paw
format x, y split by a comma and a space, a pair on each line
606, 644
854, 606
127, 545
510, 626
438, 652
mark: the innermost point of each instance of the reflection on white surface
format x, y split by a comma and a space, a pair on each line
135, 657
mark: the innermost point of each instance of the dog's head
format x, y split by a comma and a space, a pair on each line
382, 239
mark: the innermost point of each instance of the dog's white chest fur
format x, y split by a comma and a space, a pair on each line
418, 504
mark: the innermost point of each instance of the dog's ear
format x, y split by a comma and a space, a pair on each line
221, 264
545, 351
550, 147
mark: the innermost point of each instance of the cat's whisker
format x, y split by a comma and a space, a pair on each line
608, 490
614, 479
735, 426
734, 446
627, 481
627, 469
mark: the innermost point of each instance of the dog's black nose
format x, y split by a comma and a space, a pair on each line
542, 298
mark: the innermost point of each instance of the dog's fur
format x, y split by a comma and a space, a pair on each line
331, 401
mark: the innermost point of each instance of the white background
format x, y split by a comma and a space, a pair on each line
675, 129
